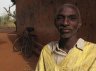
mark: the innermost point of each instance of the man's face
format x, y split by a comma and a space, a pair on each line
67, 22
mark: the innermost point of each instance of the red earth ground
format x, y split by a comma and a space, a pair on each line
13, 61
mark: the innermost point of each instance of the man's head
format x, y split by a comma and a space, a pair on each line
68, 20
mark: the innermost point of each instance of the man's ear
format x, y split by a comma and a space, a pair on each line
79, 25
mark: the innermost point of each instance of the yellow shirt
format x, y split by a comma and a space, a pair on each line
78, 59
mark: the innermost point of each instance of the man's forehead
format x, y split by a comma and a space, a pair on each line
71, 15
67, 10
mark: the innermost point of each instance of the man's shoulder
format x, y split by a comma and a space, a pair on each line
90, 46
51, 45
90, 43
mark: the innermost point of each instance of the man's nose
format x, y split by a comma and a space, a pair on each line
66, 21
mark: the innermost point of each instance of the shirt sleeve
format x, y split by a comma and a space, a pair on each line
40, 64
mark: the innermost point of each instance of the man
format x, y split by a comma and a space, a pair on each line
70, 53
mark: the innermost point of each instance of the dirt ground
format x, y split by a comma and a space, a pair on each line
13, 61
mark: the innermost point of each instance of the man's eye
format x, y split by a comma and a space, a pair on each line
60, 17
72, 17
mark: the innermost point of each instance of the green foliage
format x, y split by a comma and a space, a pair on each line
7, 21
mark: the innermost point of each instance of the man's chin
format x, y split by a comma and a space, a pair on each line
66, 36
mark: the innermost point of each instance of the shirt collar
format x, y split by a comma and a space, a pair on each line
80, 44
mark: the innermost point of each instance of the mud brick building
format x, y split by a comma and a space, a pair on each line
39, 14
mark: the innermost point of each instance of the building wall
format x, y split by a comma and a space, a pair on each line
39, 14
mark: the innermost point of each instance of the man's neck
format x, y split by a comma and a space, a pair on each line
67, 43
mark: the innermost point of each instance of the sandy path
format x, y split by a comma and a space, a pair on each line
10, 60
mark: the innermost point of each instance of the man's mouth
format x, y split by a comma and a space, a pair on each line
66, 30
